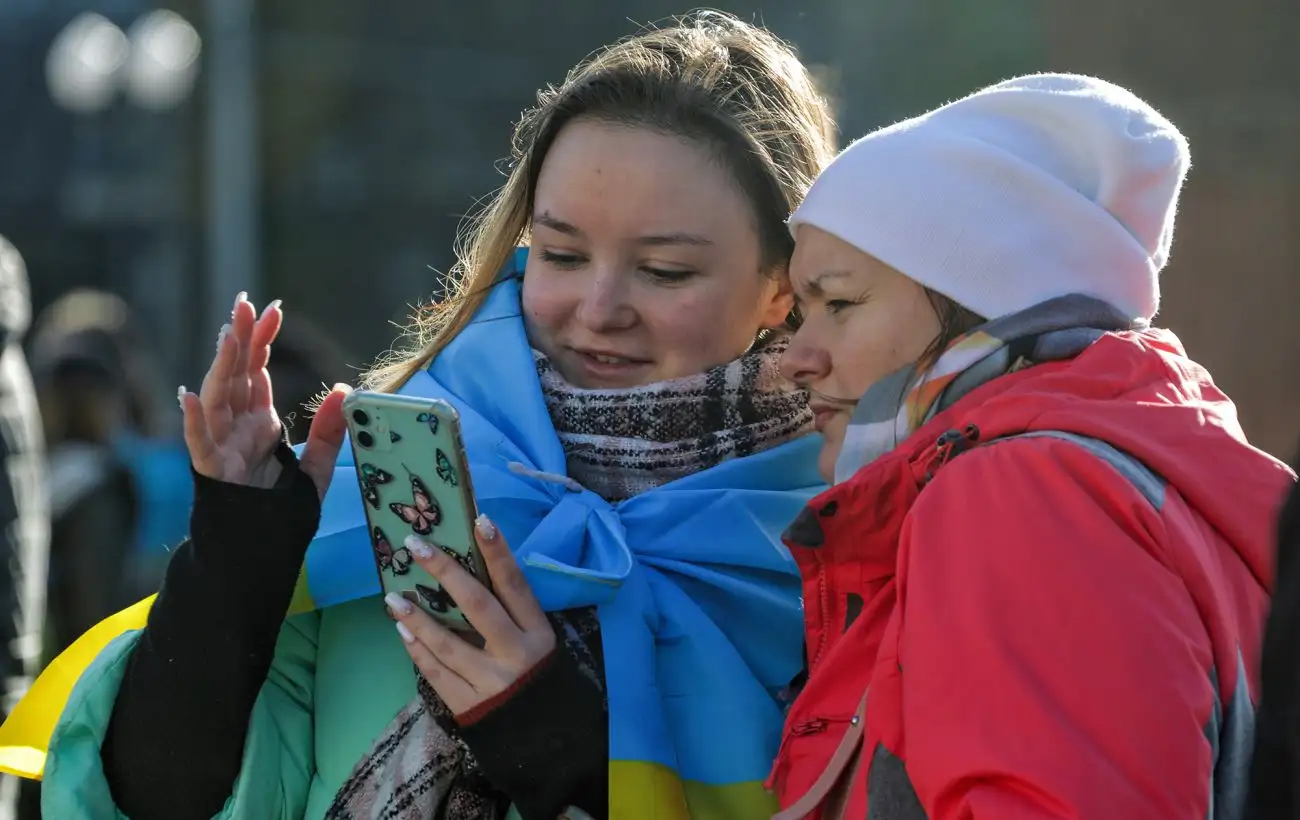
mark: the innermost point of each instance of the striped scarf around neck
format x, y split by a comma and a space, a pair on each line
904, 401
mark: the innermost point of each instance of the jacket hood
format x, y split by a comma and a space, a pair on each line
1139, 391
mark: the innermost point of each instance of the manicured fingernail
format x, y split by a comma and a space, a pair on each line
180, 396
418, 547
222, 334
406, 634
242, 296
273, 304
398, 605
485, 528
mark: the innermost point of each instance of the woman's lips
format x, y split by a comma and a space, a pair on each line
822, 415
604, 366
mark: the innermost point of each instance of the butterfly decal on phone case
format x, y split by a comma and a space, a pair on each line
464, 560
429, 419
423, 513
398, 560
436, 598
445, 471
371, 478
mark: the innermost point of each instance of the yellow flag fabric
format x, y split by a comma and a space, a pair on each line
25, 735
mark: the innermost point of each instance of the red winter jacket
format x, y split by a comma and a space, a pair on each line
1063, 624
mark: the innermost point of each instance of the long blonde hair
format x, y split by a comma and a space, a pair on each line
709, 77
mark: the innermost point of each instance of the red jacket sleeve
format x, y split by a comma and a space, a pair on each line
1052, 665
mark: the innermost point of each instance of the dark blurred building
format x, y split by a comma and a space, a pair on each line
383, 123
375, 126
104, 199
1220, 71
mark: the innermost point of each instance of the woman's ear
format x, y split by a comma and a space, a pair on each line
779, 296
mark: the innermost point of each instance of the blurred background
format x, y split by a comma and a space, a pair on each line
322, 152
156, 160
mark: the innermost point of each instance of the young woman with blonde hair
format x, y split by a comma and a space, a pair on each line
632, 441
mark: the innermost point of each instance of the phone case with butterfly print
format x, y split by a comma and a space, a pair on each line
413, 476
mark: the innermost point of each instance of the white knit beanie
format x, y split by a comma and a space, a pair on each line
1033, 188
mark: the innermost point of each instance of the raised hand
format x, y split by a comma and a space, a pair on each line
231, 427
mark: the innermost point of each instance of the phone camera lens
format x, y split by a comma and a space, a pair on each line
360, 417
365, 439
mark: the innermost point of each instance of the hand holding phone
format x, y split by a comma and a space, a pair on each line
434, 554
414, 480
514, 635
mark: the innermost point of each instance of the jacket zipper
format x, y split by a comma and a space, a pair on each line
813, 725
825, 612
809, 727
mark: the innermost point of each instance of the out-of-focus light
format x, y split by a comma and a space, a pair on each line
164, 60
85, 62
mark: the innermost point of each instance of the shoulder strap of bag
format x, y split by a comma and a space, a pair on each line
838, 773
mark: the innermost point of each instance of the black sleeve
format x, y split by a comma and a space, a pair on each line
176, 736
1275, 765
545, 745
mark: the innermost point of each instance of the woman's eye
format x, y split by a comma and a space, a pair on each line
836, 305
562, 260
670, 276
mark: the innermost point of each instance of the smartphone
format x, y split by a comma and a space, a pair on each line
414, 479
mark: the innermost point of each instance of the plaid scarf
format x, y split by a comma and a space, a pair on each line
902, 402
620, 443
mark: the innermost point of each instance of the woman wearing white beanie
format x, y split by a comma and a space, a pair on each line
1064, 621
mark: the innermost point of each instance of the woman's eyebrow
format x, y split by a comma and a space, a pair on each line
678, 238
546, 220
814, 286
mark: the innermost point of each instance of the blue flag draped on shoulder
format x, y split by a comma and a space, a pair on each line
697, 598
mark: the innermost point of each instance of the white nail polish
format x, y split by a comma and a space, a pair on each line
397, 604
418, 547
222, 334
180, 396
485, 528
406, 633
271, 305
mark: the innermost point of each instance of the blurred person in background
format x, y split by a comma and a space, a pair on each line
91, 396
1048, 549
89, 346
613, 327
24, 504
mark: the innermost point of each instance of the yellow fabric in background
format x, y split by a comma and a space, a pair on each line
25, 735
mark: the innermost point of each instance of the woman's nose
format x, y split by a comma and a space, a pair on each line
804, 362
605, 305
